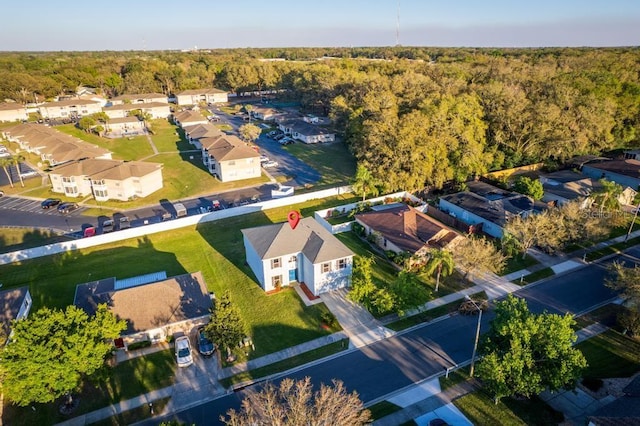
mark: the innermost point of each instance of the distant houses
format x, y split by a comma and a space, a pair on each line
229, 158
12, 112
106, 179
280, 256
189, 118
153, 109
194, 97
124, 126
142, 98
624, 172
69, 108
306, 132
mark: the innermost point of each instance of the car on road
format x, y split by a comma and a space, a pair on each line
50, 202
270, 164
67, 207
205, 346
286, 141
183, 352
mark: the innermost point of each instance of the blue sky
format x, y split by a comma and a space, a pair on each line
162, 24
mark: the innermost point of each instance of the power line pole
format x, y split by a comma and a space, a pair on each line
398, 25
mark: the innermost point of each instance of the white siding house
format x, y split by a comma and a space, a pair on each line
69, 108
229, 158
306, 132
154, 109
142, 98
12, 112
194, 97
280, 255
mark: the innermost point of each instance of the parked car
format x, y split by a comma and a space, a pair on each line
270, 164
124, 223
286, 141
278, 136
216, 205
205, 346
108, 226
67, 207
50, 202
183, 352
264, 158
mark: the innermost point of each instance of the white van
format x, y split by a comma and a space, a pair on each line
181, 210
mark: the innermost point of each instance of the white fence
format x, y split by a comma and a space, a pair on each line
141, 231
321, 215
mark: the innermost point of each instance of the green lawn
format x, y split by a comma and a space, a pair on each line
611, 354
123, 148
126, 380
168, 137
275, 321
13, 239
333, 161
535, 276
480, 409
614, 248
287, 364
517, 263
382, 409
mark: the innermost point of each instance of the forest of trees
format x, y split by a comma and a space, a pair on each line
414, 117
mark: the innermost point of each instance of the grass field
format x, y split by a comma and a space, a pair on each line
517, 263
333, 161
535, 276
168, 137
126, 380
12, 239
123, 148
610, 354
275, 321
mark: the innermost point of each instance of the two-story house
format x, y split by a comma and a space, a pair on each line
229, 158
195, 96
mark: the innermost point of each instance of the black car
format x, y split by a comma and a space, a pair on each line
67, 207
50, 202
205, 346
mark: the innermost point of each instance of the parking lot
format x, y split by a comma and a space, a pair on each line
32, 206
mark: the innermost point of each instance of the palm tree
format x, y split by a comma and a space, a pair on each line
364, 182
441, 262
608, 195
5, 163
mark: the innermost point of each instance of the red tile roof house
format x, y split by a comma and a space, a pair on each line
405, 229
15, 304
279, 256
153, 305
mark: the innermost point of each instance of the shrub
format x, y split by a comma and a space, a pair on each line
139, 345
358, 229
328, 318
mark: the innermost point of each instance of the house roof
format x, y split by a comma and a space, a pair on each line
189, 116
132, 119
106, 169
130, 107
622, 167
131, 97
11, 106
227, 148
309, 238
70, 102
569, 184
304, 128
205, 130
10, 302
495, 211
148, 306
200, 92
407, 228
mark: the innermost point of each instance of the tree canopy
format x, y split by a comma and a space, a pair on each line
531, 187
524, 353
226, 327
53, 351
295, 403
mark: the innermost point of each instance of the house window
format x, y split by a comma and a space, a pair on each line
68, 179
276, 281
101, 193
326, 267
231, 163
342, 263
275, 263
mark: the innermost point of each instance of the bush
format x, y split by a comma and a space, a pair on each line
592, 384
357, 229
630, 321
139, 345
328, 318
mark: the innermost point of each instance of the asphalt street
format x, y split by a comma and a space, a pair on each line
388, 365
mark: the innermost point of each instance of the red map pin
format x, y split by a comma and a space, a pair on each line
294, 218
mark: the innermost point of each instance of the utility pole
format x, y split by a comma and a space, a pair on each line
475, 344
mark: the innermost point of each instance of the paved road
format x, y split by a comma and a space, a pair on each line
391, 364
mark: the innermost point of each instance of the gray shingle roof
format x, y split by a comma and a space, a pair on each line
309, 237
10, 303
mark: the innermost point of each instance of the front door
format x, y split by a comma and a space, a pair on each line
293, 275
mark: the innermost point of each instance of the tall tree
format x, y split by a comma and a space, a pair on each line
477, 254
626, 280
531, 187
607, 195
226, 327
249, 132
364, 183
6, 163
295, 403
440, 262
524, 354
53, 351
